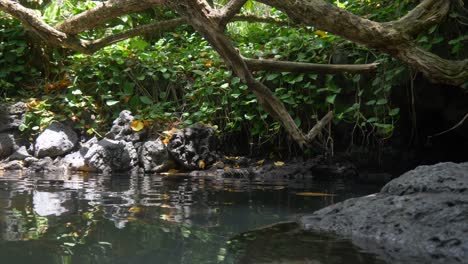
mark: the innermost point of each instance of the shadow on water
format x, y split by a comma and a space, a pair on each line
90, 218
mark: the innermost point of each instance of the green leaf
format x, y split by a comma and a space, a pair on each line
331, 99
394, 112
111, 102
382, 101
146, 100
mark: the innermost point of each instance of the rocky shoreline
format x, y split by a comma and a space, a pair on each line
192, 151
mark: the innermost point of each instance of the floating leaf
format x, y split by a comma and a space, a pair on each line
279, 163
315, 194
137, 125
260, 162
201, 164
135, 209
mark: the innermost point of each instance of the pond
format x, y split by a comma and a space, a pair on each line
140, 218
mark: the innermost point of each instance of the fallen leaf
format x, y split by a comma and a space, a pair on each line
135, 209
260, 162
321, 33
137, 125
315, 194
279, 163
201, 164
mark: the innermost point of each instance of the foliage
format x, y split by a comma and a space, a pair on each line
177, 79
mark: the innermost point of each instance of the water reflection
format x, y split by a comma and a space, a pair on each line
139, 218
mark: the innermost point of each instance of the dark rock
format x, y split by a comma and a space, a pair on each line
11, 116
56, 140
423, 214
7, 145
442, 177
112, 156
154, 157
40, 165
20, 154
122, 130
191, 145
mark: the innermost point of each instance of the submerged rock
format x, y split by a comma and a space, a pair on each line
56, 140
154, 157
421, 214
193, 145
112, 156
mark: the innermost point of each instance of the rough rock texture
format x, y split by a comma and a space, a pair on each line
112, 156
75, 161
56, 140
192, 145
122, 130
154, 157
11, 116
7, 145
423, 214
20, 154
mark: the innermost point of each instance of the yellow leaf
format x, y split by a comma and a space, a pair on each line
165, 196
260, 162
315, 194
226, 168
279, 163
172, 171
132, 219
321, 33
201, 164
135, 209
137, 125
166, 141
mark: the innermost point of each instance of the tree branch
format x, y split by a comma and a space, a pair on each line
33, 22
423, 16
301, 67
386, 37
232, 8
153, 28
105, 11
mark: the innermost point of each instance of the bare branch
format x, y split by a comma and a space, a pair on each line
423, 16
153, 28
105, 11
33, 22
301, 67
315, 131
229, 11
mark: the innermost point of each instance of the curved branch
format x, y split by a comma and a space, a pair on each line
232, 8
33, 22
105, 11
386, 37
423, 16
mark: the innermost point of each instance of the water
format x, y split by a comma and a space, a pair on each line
89, 218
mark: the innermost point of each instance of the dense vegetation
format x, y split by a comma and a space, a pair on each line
176, 79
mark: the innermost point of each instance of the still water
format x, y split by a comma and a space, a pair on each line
91, 218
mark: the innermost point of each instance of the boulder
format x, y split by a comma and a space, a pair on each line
423, 215
154, 156
112, 156
192, 145
56, 140
11, 116
121, 128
